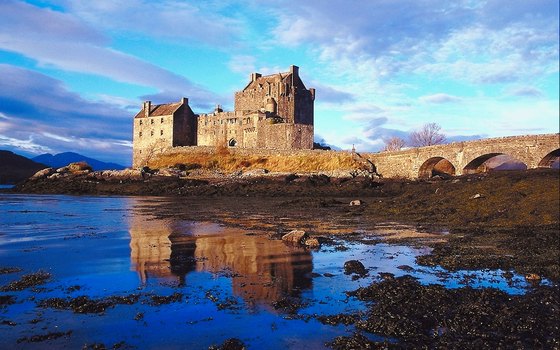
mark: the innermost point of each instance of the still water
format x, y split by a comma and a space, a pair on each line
228, 282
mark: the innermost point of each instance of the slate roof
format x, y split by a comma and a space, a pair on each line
160, 110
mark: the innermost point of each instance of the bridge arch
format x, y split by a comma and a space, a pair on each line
436, 166
232, 143
551, 160
503, 162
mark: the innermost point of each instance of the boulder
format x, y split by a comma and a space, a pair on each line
312, 242
42, 173
354, 266
295, 236
79, 166
476, 196
356, 202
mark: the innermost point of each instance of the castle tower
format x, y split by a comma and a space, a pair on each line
159, 127
294, 102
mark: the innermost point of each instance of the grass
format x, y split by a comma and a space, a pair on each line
228, 161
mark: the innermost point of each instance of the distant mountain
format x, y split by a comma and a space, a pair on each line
63, 159
15, 168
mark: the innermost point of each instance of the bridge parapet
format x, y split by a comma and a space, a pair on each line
529, 149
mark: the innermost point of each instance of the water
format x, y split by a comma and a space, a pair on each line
229, 279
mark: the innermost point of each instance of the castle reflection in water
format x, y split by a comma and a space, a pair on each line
262, 270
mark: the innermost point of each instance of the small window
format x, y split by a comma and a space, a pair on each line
161, 132
152, 133
140, 121
151, 121
140, 134
162, 120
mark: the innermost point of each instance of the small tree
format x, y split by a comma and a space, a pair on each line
394, 144
427, 136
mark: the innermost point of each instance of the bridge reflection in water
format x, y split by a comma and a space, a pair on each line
261, 270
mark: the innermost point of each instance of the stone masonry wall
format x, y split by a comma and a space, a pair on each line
150, 136
529, 149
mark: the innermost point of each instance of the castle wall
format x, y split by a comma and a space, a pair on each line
184, 127
254, 130
151, 135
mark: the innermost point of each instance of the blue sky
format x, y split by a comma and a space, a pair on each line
74, 72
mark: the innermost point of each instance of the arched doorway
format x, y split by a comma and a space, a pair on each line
551, 160
493, 162
232, 143
436, 166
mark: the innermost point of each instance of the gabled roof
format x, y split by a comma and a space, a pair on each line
160, 110
273, 78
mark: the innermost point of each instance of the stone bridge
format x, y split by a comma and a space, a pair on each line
460, 158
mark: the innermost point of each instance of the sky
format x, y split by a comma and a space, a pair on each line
73, 73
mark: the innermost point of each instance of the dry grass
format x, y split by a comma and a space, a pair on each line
227, 161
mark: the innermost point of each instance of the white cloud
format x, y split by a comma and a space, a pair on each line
171, 19
242, 64
439, 98
27, 145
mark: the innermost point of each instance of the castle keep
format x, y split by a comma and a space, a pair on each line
271, 112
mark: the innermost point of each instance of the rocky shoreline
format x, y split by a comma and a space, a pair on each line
501, 220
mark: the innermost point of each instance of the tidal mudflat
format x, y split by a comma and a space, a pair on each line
156, 272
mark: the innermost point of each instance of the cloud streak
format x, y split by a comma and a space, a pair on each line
71, 45
39, 114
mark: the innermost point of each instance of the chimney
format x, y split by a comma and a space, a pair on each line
312, 91
184, 100
147, 108
294, 70
255, 76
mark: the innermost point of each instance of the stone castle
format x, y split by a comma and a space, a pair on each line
271, 112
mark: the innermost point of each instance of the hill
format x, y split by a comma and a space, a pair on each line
63, 159
15, 168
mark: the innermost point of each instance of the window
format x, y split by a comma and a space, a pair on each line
152, 133
140, 134
161, 132
140, 121
151, 121
162, 120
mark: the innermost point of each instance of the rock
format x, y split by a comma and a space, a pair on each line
320, 179
406, 268
54, 176
312, 242
476, 196
79, 166
290, 177
169, 172
532, 277
295, 236
42, 173
354, 266
233, 344
386, 275
255, 172
356, 202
